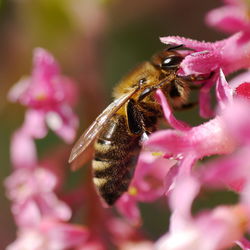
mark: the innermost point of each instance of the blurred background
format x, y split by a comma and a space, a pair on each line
96, 42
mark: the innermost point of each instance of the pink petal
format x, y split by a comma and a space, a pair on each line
217, 229
19, 89
34, 124
239, 79
179, 125
45, 65
63, 122
50, 235
63, 234
230, 19
244, 243
127, 206
243, 90
204, 140
179, 203
224, 91
50, 206
229, 171
23, 150
206, 110
237, 120
26, 214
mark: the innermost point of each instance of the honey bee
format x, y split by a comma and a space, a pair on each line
114, 139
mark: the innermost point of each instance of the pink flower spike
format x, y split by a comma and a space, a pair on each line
224, 91
179, 125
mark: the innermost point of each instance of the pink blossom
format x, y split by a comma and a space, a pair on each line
50, 235
147, 185
31, 191
229, 54
49, 97
211, 230
204, 140
230, 18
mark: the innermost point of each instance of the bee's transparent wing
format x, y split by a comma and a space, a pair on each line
83, 149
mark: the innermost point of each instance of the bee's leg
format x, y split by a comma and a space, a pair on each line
147, 92
186, 106
201, 77
134, 118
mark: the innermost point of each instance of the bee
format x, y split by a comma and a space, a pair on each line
114, 139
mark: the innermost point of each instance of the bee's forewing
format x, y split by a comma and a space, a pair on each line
83, 149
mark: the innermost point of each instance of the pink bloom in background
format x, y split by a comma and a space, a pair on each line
32, 194
49, 97
216, 229
231, 18
50, 235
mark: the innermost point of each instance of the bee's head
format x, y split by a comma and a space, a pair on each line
168, 59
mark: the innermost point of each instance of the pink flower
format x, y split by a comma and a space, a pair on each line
231, 18
229, 54
206, 139
211, 230
31, 191
147, 185
49, 97
50, 235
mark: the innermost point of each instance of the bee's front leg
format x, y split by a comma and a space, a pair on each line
196, 78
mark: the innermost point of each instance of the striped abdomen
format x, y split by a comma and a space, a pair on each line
116, 153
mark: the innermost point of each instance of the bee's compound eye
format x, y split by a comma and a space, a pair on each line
171, 62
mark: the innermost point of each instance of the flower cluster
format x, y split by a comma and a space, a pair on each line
42, 218
177, 164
